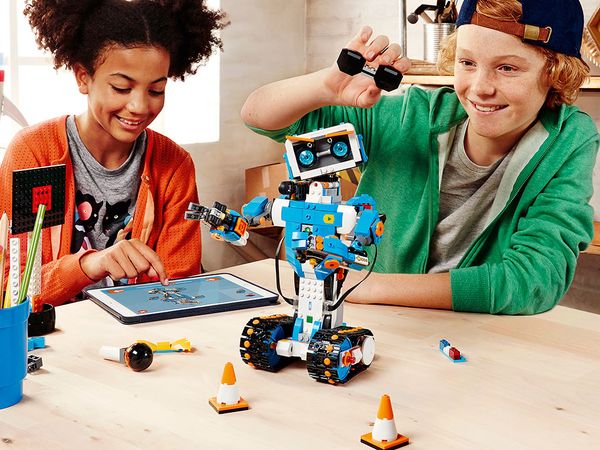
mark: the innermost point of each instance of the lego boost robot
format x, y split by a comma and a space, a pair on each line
324, 238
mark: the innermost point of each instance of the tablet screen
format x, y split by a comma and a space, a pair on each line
183, 297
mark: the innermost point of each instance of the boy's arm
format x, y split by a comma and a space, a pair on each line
399, 289
278, 105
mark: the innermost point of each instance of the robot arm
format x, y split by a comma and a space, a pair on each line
228, 225
225, 224
257, 211
368, 229
369, 225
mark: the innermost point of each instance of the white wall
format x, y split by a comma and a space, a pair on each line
264, 42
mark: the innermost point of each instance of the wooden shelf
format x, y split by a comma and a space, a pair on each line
438, 80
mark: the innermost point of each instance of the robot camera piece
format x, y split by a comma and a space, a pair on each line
323, 152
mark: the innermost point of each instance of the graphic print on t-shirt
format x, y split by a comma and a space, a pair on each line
86, 216
116, 218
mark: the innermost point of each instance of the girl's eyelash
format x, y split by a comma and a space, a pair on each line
120, 90
157, 93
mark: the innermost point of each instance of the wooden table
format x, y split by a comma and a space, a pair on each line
529, 383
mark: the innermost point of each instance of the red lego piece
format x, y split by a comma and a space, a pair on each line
454, 353
41, 195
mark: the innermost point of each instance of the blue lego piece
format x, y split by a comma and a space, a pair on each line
36, 342
443, 344
298, 324
255, 207
363, 154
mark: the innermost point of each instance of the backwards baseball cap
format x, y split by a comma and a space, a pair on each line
553, 24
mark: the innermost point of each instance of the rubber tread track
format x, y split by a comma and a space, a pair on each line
257, 342
322, 347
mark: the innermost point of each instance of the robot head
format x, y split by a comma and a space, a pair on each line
325, 151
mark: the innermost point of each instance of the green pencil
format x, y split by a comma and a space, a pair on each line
35, 239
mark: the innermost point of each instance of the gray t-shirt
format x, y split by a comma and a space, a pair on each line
467, 192
105, 199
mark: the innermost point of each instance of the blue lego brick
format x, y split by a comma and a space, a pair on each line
255, 207
298, 324
332, 208
36, 342
316, 327
362, 148
287, 165
292, 214
361, 200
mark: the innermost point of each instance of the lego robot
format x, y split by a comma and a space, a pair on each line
324, 238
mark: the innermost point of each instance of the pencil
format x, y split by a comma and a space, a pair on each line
35, 239
3, 242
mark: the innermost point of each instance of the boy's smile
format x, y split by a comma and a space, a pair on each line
125, 94
501, 84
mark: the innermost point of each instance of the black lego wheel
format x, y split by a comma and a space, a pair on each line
323, 359
259, 340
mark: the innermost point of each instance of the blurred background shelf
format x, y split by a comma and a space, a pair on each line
426, 73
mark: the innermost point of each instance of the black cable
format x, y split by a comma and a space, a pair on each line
277, 252
343, 297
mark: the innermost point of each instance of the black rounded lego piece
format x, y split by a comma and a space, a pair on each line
138, 356
43, 322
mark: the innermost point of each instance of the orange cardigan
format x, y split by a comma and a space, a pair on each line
168, 185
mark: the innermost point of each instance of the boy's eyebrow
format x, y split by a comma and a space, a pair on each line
128, 78
500, 57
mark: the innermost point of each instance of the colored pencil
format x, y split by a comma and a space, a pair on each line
3, 242
35, 239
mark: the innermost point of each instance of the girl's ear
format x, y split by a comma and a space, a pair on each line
82, 77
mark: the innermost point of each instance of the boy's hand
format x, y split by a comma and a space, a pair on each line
125, 259
360, 91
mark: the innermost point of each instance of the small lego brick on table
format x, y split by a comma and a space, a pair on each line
34, 363
452, 353
36, 342
228, 397
384, 435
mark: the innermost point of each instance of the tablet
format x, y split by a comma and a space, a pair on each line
202, 294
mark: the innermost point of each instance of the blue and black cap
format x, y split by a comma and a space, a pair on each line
553, 24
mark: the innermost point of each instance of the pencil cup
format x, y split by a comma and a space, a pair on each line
43, 322
13, 353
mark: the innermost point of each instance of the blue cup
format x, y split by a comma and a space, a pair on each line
13, 353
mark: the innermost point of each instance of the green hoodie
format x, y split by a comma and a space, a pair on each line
524, 260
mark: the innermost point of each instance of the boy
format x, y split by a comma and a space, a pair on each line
486, 186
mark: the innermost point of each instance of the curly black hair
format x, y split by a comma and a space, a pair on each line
79, 31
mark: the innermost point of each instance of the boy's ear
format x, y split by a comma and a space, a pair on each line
82, 77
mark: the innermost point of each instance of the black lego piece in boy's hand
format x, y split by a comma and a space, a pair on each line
353, 63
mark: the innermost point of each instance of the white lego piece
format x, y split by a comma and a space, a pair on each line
35, 282
14, 277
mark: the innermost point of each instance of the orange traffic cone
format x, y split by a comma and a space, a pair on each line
228, 397
384, 434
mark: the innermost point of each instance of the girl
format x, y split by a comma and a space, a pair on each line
127, 186
485, 187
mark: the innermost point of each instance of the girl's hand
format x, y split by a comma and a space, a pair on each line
360, 90
125, 259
